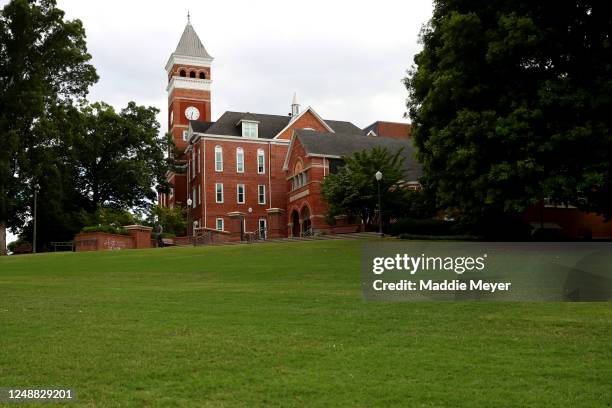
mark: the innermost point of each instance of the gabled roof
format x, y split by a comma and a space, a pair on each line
297, 117
190, 45
345, 144
269, 125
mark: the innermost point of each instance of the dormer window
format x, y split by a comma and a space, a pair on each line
250, 129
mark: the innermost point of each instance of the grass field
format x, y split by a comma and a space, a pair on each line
283, 325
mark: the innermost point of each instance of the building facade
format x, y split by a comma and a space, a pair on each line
250, 173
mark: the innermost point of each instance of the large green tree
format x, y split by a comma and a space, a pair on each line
44, 64
510, 103
118, 157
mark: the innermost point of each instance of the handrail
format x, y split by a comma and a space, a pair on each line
257, 234
308, 233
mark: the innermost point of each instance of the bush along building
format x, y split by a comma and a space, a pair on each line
253, 173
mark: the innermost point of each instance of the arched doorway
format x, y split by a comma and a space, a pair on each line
306, 223
295, 219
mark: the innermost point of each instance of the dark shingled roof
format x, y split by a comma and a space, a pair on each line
269, 125
344, 127
345, 144
200, 126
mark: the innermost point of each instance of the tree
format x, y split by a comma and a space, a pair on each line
510, 103
118, 157
173, 220
98, 162
353, 190
43, 65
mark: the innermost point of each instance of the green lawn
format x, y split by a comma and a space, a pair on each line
283, 325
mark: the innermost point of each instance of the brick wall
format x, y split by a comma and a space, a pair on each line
138, 237
102, 241
393, 130
207, 210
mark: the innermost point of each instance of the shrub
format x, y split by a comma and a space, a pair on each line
21, 246
110, 229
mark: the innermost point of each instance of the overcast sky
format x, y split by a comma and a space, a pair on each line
345, 59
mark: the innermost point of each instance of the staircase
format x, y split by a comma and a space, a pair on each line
315, 237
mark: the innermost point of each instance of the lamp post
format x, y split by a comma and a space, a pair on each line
189, 203
250, 211
379, 176
36, 188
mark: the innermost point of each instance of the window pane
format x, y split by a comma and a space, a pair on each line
218, 159
262, 194
219, 188
260, 161
239, 160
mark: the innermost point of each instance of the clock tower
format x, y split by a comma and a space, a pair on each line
189, 81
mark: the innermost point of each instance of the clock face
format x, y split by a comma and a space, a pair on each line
192, 113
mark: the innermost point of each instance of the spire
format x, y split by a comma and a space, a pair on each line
295, 106
190, 45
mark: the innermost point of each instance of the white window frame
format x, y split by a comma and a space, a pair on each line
185, 135
265, 227
218, 159
261, 155
261, 193
217, 192
238, 187
250, 130
239, 160
222, 224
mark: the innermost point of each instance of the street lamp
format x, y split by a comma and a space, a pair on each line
189, 203
244, 220
379, 176
36, 188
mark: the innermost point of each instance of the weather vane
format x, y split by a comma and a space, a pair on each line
188, 17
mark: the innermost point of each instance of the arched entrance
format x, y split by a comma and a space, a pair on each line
295, 219
306, 223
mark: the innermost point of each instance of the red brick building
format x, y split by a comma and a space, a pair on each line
256, 173
389, 129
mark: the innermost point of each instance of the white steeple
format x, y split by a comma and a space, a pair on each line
295, 106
